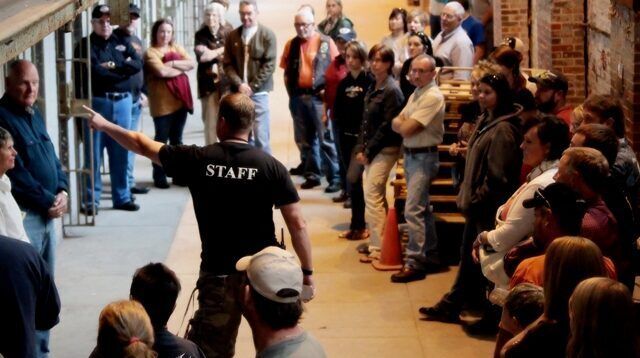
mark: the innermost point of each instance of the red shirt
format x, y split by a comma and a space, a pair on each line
335, 73
564, 113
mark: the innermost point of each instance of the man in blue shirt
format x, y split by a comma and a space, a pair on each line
38, 183
474, 29
114, 64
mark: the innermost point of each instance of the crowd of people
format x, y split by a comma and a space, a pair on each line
549, 192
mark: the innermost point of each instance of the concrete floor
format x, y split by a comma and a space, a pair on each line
358, 312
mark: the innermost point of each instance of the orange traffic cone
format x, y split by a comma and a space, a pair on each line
391, 254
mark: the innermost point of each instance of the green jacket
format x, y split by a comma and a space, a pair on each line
333, 33
262, 61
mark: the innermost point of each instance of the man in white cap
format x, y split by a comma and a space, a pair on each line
272, 304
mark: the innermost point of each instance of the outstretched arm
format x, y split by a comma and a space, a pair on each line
297, 226
134, 141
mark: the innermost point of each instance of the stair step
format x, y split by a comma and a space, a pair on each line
442, 198
450, 218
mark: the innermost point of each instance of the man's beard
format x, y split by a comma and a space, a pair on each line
548, 106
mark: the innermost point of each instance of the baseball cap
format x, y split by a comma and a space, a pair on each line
99, 11
558, 197
134, 9
346, 34
514, 43
274, 273
551, 79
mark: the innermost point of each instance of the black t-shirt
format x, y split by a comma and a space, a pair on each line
28, 298
349, 103
168, 345
234, 188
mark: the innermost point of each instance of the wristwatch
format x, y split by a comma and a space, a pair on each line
307, 272
111, 64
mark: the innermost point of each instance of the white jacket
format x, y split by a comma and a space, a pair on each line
10, 214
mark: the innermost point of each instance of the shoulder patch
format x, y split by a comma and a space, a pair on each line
121, 48
324, 47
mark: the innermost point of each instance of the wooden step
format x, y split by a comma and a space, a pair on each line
450, 218
443, 198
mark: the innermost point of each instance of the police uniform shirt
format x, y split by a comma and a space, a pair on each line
234, 188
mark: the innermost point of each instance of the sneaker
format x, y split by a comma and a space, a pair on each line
441, 312
310, 184
485, 326
139, 189
408, 274
89, 211
373, 255
161, 184
128, 206
363, 248
299, 170
341, 198
333, 188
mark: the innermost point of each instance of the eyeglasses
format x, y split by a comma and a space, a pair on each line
420, 71
303, 25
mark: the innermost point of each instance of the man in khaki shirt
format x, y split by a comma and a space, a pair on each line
421, 125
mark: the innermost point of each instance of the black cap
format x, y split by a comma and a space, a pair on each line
346, 34
99, 11
134, 9
558, 197
551, 79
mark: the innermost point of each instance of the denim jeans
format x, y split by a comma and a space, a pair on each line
168, 128
314, 139
42, 234
420, 169
260, 135
136, 111
118, 112
375, 193
210, 106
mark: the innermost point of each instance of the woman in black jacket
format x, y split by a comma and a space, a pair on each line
492, 173
378, 146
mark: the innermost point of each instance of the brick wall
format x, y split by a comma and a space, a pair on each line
510, 19
567, 45
625, 66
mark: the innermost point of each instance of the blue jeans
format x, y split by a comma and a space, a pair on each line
118, 112
260, 134
168, 128
136, 111
314, 139
420, 169
42, 234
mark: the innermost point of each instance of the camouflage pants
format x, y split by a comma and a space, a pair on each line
214, 326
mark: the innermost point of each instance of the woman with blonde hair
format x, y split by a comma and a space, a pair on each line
209, 50
124, 331
601, 311
568, 261
335, 23
577, 117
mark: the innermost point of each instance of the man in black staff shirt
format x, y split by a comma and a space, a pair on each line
234, 187
114, 63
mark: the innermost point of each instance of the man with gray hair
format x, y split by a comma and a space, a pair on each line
249, 62
305, 60
452, 45
421, 125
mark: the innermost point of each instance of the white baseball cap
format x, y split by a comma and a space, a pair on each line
274, 273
